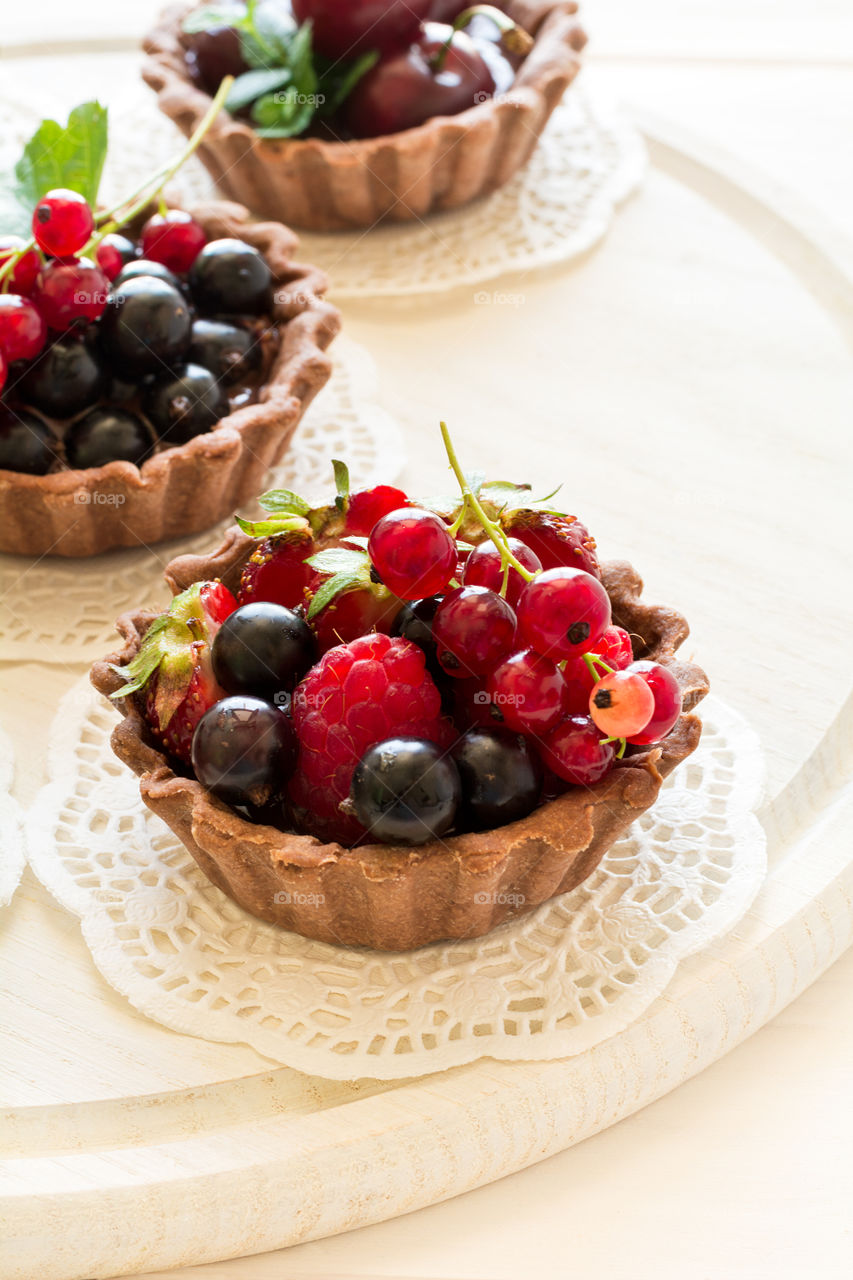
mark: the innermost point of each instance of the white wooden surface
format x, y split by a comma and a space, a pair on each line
745, 1171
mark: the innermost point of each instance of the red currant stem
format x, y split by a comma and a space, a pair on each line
13, 260
513, 37
494, 531
623, 743
139, 199
592, 661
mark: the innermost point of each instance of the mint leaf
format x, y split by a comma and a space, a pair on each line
282, 115
70, 156
254, 84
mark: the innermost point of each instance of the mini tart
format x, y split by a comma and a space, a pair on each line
186, 489
331, 186
395, 897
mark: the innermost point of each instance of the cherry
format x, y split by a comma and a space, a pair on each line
413, 553
23, 332
173, 238
529, 692
345, 29
484, 568
214, 54
621, 704
69, 291
66, 379
474, 628
26, 443
185, 403
23, 275
244, 750
501, 778
107, 435
563, 612
62, 222
666, 692
407, 88
576, 753
114, 253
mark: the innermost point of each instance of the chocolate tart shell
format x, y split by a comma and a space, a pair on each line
331, 186
186, 489
392, 897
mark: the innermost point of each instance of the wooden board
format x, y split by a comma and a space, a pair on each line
692, 381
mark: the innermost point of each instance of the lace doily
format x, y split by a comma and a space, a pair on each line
12, 858
588, 161
64, 611
552, 984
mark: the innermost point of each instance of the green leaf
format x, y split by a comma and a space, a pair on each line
333, 587
339, 560
70, 156
500, 493
284, 502
275, 27
357, 540
254, 84
341, 473
475, 481
269, 528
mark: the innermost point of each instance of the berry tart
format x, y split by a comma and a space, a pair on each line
347, 112
387, 723
154, 362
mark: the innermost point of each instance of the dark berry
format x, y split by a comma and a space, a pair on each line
244, 751
26, 443
66, 379
406, 791
501, 778
263, 649
147, 326
229, 352
107, 435
185, 403
414, 622
230, 276
173, 238
62, 222
144, 267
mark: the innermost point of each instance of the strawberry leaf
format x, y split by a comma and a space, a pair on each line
339, 560
341, 471
269, 528
499, 493
65, 156
284, 502
346, 580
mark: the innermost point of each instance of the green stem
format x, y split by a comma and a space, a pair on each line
514, 38
471, 502
13, 260
592, 661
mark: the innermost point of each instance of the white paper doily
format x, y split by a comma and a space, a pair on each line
552, 984
587, 162
64, 611
12, 857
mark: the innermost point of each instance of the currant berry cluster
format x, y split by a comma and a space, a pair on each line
438, 670
354, 68
111, 348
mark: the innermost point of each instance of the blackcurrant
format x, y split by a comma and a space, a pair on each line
107, 435
146, 326
68, 377
185, 403
244, 751
26, 443
229, 352
145, 267
230, 276
501, 778
414, 622
263, 649
405, 790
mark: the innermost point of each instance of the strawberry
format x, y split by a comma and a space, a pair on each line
558, 540
277, 569
172, 673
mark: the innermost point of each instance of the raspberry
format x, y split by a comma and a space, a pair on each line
559, 541
357, 695
366, 508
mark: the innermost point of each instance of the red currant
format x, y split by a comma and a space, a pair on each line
529, 692
62, 222
113, 253
473, 629
69, 291
614, 649
563, 612
23, 275
666, 692
621, 704
23, 332
484, 568
575, 752
367, 508
413, 553
173, 238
